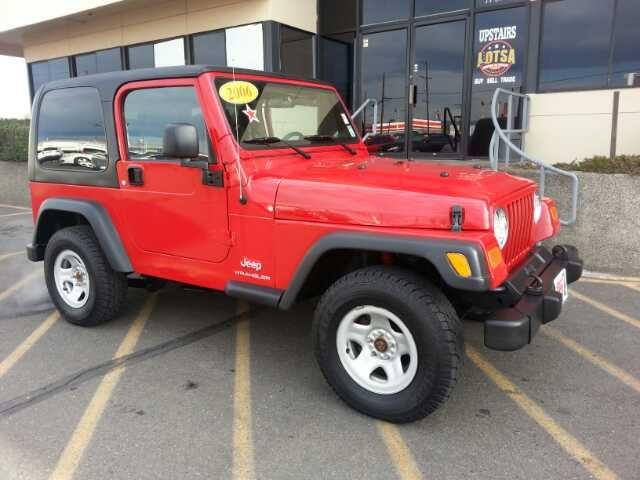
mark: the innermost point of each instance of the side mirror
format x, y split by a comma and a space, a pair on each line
180, 140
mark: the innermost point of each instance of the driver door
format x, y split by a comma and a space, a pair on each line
168, 208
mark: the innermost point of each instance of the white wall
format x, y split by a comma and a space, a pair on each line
569, 126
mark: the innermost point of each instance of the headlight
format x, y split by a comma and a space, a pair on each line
501, 227
537, 207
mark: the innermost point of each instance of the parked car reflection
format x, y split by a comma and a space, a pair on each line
71, 154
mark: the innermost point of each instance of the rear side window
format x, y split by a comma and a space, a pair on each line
148, 111
71, 132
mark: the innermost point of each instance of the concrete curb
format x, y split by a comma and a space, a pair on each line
14, 184
607, 231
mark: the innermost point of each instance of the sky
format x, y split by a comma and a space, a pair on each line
14, 88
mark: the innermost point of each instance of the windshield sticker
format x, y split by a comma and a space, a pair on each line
345, 119
238, 92
251, 114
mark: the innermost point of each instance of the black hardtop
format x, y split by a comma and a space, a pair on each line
108, 83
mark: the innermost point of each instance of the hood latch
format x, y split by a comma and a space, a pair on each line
457, 218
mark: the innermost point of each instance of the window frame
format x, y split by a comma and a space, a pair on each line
121, 125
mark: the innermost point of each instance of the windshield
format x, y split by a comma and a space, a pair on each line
268, 112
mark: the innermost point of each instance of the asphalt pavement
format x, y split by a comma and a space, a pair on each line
188, 383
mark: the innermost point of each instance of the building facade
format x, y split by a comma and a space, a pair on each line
430, 65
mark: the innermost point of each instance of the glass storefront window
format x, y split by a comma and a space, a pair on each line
238, 55
438, 73
141, 56
296, 52
379, 11
335, 63
626, 54
209, 48
384, 77
499, 54
49, 70
169, 53
429, 7
98, 62
575, 44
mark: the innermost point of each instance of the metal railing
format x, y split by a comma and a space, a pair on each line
506, 135
360, 109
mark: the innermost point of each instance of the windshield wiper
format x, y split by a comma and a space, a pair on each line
272, 140
327, 138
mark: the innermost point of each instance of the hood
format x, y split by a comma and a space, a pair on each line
386, 192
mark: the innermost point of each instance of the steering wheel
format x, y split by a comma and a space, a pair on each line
290, 135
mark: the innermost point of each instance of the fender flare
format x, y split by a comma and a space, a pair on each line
433, 250
98, 217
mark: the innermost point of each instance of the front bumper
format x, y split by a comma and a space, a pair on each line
532, 298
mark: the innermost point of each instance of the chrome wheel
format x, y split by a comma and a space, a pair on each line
71, 279
377, 349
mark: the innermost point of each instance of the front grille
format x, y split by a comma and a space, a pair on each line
520, 214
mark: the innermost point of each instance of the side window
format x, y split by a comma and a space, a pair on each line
71, 131
148, 111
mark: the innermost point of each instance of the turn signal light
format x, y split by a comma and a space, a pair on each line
459, 263
495, 257
554, 213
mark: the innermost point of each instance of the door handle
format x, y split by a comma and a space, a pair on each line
135, 176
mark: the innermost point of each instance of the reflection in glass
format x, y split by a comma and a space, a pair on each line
569, 58
626, 54
70, 130
148, 111
378, 11
438, 75
384, 77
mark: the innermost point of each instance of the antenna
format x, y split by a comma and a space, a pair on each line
239, 169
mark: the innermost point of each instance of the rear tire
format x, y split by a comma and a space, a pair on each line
412, 359
81, 283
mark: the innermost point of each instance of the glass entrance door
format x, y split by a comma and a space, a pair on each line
384, 78
436, 93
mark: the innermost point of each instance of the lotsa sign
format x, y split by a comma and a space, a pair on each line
496, 58
238, 92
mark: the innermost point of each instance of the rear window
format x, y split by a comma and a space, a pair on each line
71, 133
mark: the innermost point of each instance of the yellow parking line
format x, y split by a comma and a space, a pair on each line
9, 255
4, 205
399, 452
568, 442
14, 214
30, 341
593, 357
243, 463
606, 309
632, 286
19, 284
72, 454
629, 285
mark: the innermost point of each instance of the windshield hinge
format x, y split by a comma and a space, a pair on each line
457, 218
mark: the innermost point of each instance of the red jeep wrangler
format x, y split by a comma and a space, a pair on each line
259, 185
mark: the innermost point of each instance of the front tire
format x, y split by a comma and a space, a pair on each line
81, 283
389, 343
